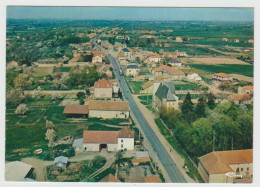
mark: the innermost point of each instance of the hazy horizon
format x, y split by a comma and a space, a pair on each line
131, 14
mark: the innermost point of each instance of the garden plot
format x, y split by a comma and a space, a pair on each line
217, 60
43, 71
70, 99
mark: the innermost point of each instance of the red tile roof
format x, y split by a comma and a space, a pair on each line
222, 75
219, 161
152, 179
103, 83
121, 55
240, 97
76, 109
249, 87
110, 178
108, 105
177, 72
104, 137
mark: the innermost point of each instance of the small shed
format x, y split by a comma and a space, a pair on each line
61, 162
78, 145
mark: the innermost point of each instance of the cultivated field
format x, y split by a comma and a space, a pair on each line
242, 78
43, 71
217, 60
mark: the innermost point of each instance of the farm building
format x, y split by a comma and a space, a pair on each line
222, 77
121, 56
140, 157
224, 40
78, 145
108, 109
154, 57
61, 162
193, 76
223, 166
165, 96
178, 39
110, 140
110, 178
127, 53
76, 111
250, 41
132, 70
175, 62
246, 90
17, 171
152, 179
177, 74
242, 99
103, 89
147, 87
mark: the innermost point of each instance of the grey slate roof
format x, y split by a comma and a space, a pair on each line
61, 159
166, 90
16, 171
125, 50
140, 154
77, 142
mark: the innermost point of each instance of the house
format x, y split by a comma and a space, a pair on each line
193, 76
175, 62
236, 40
132, 70
163, 78
17, 171
12, 64
245, 49
147, 87
121, 56
108, 109
78, 145
152, 179
249, 90
127, 53
178, 39
165, 96
110, 140
223, 166
251, 41
96, 59
103, 89
154, 57
177, 74
61, 162
222, 77
242, 99
76, 111
224, 40
110, 178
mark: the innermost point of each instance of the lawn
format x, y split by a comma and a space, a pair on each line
61, 69
188, 86
144, 97
137, 85
246, 70
43, 71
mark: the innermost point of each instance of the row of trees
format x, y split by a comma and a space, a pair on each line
204, 129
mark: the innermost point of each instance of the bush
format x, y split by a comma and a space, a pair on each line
22, 109
81, 95
56, 96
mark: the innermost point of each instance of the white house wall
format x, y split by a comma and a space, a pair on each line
91, 146
108, 114
103, 92
112, 147
126, 143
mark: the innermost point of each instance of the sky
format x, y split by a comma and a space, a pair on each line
128, 13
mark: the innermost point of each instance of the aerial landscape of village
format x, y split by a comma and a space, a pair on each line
132, 101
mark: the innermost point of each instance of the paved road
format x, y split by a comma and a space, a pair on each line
164, 157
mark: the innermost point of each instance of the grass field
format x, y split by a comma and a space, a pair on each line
188, 86
246, 70
61, 69
137, 85
43, 71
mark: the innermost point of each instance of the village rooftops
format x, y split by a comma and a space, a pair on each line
76, 109
219, 161
121, 55
103, 83
166, 90
104, 137
110, 178
249, 87
147, 85
108, 105
16, 171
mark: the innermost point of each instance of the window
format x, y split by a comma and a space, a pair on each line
122, 141
241, 169
247, 169
122, 146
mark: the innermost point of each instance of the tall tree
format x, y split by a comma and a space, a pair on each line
211, 100
200, 108
187, 109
